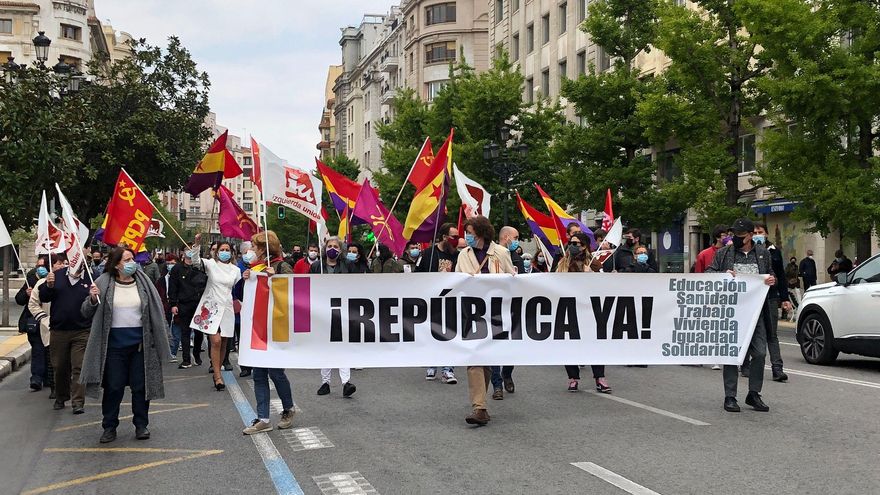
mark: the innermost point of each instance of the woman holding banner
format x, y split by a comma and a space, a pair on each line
579, 259
215, 314
270, 265
482, 255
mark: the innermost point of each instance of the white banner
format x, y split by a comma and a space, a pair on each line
289, 186
431, 319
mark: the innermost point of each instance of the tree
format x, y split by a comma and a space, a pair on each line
701, 99
145, 112
824, 89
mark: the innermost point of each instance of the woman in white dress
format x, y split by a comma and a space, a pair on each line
215, 315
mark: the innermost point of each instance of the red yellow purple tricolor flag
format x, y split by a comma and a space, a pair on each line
217, 164
430, 199
342, 190
541, 225
564, 219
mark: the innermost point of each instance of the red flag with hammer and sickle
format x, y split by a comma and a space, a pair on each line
128, 214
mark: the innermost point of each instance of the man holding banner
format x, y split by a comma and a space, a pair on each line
743, 256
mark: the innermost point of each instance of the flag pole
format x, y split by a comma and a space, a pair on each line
15, 252
263, 201
157, 210
74, 229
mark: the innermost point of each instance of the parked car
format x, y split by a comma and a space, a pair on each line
842, 316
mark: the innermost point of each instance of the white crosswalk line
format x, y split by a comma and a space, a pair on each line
614, 479
838, 379
653, 409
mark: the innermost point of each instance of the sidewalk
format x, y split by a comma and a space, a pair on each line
14, 350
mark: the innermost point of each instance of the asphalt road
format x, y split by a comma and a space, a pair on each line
662, 431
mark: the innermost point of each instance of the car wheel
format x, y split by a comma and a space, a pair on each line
817, 340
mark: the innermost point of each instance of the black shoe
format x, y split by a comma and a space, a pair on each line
51, 393
184, 366
324, 389
780, 376
348, 388
197, 361
36, 387
227, 366
108, 436
78, 410
744, 371
58, 405
245, 372
754, 400
730, 404
509, 387
141, 433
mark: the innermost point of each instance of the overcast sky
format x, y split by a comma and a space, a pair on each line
267, 59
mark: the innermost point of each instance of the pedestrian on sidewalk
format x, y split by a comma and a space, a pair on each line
482, 255
808, 270
69, 333
127, 344
270, 264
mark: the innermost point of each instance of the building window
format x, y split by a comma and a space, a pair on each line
746, 146
667, 171
545, 29
563, 17
69, 32
514, 47
581, 10
545, 82
530, 90
499, 11
563, 72
6, 27
442, 12
247, 206
247, 171
367, 130
367, 100
514, 5
440, 52
248, 161
530, 38
603, 61
582, 62
432, 89
412, 62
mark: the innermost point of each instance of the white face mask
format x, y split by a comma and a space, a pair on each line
313, 255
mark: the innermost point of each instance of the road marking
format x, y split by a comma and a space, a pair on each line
848, 381
652, 409
122, 449
194, 454
275, 405
614, 478
306, 439
186, 378
789, 343
181, 407
344, 484
282, 477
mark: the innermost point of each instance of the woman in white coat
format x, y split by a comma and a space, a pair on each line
215, 315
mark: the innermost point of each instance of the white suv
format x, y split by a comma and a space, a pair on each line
842, 316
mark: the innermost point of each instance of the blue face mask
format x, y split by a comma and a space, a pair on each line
224, 256
470, 239
129, 268
249, 257
414, 253
42, 272
527, 263
514, 245
759, 239
642, 258
351, 256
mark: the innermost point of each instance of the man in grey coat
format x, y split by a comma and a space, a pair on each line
744, 256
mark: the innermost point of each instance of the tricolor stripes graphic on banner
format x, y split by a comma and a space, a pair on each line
277, 298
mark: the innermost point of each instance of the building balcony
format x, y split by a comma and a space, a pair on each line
388, 95
389, 64
324, 145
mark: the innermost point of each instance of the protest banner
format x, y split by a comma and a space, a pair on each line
421, 319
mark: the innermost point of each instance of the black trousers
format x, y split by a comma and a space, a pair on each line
574, 372
124, 367
185, 315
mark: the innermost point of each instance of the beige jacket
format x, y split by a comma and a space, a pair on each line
498, 260
40, 311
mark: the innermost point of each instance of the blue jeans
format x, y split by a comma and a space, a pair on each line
39, 360
499, 374
174, 341
124, 366
261, 390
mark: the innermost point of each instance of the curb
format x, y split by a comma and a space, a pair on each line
15, 359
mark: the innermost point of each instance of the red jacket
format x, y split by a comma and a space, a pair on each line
704, 259
302, 267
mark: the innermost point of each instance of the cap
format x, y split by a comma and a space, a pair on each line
742, 226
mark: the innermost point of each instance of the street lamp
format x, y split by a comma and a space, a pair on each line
10, 70
41, 46
507, 160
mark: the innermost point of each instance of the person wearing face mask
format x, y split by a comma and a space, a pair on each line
410, 256
186, 285
527, 263
385, 262
539, 263
808, 270
333, 263
357, 262
642, 265
215, 313
841, 265
481, 256
792, 275
444, 254
98, 264
745, 256
151, 268
29, 325
577, 259
127, 343
304, 265
41, 312
69, 332
502, 376
704, 259
509, 238
170, 319
624, 259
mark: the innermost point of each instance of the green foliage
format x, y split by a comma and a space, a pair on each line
145, 113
